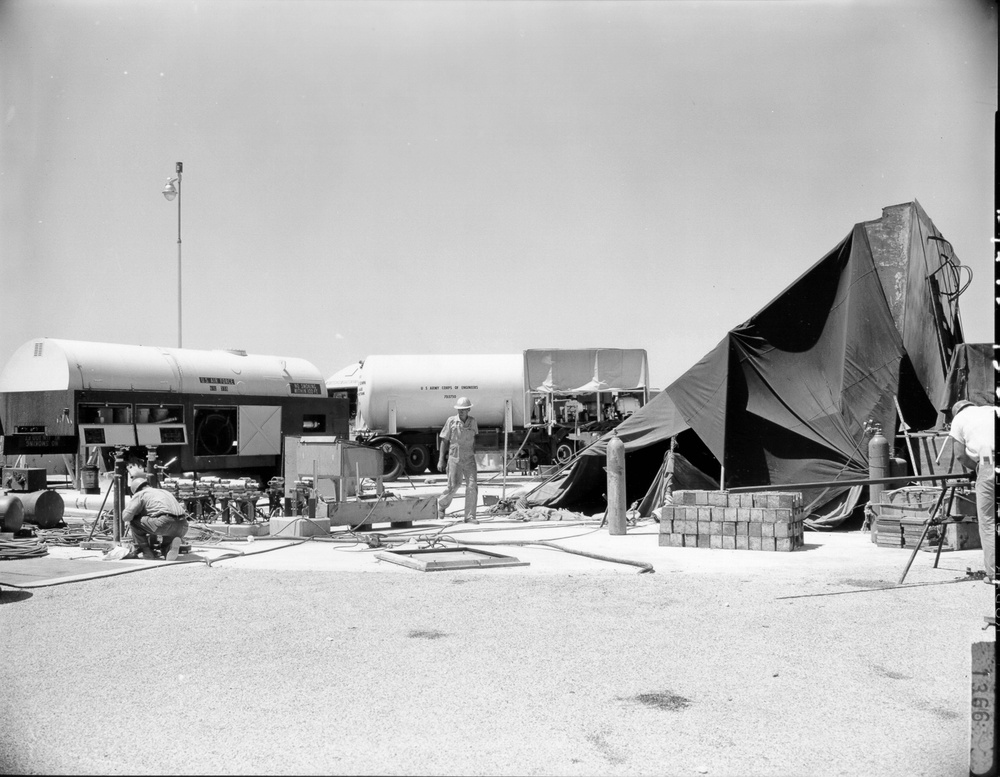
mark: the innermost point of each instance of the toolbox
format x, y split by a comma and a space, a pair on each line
24, 478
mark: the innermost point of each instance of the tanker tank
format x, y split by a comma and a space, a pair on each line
398, 393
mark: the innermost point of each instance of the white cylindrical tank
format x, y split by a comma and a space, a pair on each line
422, 389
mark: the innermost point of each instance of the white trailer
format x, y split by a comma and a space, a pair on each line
539, 400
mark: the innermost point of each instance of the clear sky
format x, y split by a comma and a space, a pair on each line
473, 177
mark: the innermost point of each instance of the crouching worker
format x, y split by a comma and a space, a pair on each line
151, 513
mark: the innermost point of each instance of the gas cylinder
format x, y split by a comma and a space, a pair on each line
616, 485
878, 467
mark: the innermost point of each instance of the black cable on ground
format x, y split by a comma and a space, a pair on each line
22, 548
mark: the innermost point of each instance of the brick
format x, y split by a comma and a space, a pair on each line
746, 501
667, 513
786, 499
690, 513
715, 527
757, 514
742, 529
666, 539
743, 514
704, 540
715, 541
754, 528
733, 500
767, 543
688, 527
753, 542
728, 529
704, 513
783, 514
690, 540
729, 542
742, 542
701, 498
730, 514
718, 499
782, 530
767, 530
684, 497
769, 515
784, 544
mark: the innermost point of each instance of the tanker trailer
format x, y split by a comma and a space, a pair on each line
404, 401
558, 398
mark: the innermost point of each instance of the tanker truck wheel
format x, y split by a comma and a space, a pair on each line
564, 452
393, 459
417, 459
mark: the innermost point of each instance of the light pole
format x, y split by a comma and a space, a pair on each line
170, 191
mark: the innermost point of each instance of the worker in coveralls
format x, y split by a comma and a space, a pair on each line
458, 443
154, 512
972, 427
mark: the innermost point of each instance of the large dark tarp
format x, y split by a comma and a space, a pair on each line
970, 376
784, 398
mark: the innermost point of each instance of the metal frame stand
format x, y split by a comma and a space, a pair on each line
933, 520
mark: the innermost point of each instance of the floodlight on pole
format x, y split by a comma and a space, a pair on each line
170, 191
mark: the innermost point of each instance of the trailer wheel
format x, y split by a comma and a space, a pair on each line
393, 462
417, 459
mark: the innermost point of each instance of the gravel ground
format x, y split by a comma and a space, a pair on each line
196, 669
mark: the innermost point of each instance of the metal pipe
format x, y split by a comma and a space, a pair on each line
828, 484
180, 341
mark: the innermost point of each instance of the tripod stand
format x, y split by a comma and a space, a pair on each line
933, 520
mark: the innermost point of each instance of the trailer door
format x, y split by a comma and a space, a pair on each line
259, 430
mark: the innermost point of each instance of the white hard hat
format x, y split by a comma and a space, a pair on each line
463, 404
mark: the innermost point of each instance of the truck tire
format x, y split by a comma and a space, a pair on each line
393, 461
418, 458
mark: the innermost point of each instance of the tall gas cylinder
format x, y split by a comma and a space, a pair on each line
878, 467
616, 485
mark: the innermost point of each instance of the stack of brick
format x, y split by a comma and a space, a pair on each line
717, 519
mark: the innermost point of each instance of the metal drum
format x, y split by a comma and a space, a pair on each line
44, 509
11, 513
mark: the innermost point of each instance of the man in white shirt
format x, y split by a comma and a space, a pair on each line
972, 428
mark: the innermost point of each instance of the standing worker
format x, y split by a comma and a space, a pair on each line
972, 427
458, 443
154, 512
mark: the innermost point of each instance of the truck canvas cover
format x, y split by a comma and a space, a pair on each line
578, 371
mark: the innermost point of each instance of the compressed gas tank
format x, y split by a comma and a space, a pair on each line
421, 390
44, 509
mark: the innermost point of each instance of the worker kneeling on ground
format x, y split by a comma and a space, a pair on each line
153, 512
458, 444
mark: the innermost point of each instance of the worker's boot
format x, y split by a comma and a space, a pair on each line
142, 545
173, 548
